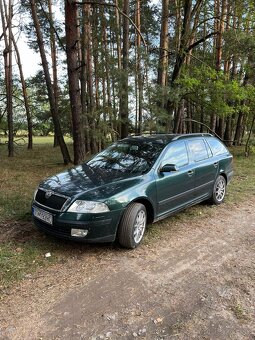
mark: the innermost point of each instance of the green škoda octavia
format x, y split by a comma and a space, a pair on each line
135, 181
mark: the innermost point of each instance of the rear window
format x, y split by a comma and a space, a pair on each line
216, 146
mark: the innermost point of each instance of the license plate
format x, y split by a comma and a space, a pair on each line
43, 215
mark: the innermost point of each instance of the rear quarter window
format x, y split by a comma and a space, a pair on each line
216, 146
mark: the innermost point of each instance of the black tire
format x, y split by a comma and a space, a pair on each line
132, 226
219, 190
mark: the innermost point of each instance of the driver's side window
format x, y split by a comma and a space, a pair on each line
176, 154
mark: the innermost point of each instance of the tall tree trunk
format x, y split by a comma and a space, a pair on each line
218, 27
228, 131
184, 39
227, 64
180, 58
94, 24
25, 97
73, 80
248, 78
164, 42
221, 121
139, 67
54, 63
239, 129
89, 73
116, 83
10, 85
107, 78
6, 18
117, 15
124, 123
63, 147
83, 80
220, 11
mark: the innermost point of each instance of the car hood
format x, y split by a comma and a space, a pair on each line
84, 182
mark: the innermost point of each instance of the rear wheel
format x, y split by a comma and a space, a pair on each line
219, 190
132, 226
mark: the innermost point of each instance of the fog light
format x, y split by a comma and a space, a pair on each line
79, 232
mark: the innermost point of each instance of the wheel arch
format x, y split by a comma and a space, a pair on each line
224, 175
149, 207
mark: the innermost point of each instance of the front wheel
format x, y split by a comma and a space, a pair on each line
132, 226
219, 190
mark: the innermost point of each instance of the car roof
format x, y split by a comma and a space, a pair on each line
165, 138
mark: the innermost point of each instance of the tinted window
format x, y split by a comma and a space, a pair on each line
198, 148
176, 154
216, 146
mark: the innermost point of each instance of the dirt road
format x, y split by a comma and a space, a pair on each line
197, 282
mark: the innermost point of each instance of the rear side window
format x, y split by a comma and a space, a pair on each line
216, 146
199, 150
176, 154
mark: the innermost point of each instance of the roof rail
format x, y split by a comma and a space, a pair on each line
192, 135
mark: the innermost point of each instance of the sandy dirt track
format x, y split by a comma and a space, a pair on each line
196, 282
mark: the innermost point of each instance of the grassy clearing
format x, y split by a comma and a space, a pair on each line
22, 141
243, 183
20, 176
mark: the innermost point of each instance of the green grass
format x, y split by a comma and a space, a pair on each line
22, 141
243, 183
20, 260
20, 175
17, 260
239, 311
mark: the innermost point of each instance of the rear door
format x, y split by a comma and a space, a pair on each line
205, 167
176, 188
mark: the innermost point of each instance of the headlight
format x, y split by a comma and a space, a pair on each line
88, 207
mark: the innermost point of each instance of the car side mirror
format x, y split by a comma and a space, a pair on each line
169, 168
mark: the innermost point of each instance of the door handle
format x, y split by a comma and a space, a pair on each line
191, 173
216, 164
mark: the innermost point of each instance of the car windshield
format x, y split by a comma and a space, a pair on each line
127, 157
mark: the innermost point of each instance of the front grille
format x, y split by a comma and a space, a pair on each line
54, 201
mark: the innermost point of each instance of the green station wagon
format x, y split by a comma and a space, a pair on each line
135, 181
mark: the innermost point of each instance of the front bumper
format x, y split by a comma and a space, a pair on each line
101, 227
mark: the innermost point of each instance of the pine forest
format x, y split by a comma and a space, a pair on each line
109, 69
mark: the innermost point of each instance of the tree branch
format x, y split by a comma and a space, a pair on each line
52, 26
196, 43
196, 7
200, 123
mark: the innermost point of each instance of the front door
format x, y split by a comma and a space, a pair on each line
175, 189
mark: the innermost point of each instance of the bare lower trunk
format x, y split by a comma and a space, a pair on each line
54, 63
24, 91
228, 131
6, 12
63, 147
239, 129
73, 80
